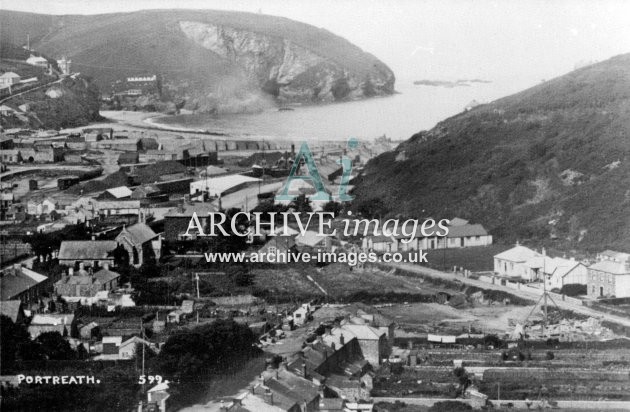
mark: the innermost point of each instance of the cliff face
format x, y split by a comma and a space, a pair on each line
286, 70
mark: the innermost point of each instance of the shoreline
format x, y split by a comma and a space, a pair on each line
144, 120
148, 122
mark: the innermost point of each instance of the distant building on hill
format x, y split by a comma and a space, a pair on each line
37, 61
9, 79
138, 85
65, 65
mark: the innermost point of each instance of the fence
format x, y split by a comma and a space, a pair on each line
538, 291
517, 404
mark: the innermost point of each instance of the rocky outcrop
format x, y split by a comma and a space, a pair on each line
287, 70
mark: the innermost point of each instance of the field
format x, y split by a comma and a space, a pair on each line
476, 259
435, 317
340, 283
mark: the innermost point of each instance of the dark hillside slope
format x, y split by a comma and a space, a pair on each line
551, 162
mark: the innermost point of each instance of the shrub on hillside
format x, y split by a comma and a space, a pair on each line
573, 289
450, 406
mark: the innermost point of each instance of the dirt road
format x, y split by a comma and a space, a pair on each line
424, 271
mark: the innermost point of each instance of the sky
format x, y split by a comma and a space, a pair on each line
527, 40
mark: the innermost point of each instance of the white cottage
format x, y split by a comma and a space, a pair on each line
512, 262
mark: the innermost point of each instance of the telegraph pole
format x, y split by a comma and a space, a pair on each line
544, 253
197, 279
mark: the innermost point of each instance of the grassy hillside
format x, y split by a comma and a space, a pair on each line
112, 46
550, 163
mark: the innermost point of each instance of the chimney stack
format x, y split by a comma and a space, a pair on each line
17, 269
105, 266
342, 340
268, 396
70, 271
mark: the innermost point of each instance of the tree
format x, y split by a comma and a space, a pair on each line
302, 204
82, 352
43, 244
492, 340
15, 345
333, 207
241, 275
573, 289
190, 355
463, 378
74, 329
371, 208
55, 347
450, 406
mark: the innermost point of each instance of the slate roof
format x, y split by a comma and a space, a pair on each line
517, 254
217, 185
11, 308
52, 319
13, 284
202, 209
126, 158
615, 268
281, 243
213, 170
118, 204
105, 275
9, 75
564, 266
310, 238
293, 387
613, 255
119, 192
466, 230
76, 280
86, 249
138, 233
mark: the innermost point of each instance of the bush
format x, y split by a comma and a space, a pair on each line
552, 342
492, 340
549, 355
573, 289
450, 406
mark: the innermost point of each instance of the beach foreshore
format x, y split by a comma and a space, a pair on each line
146, 124
146, 120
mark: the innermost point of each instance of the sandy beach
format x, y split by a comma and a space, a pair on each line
144, 120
